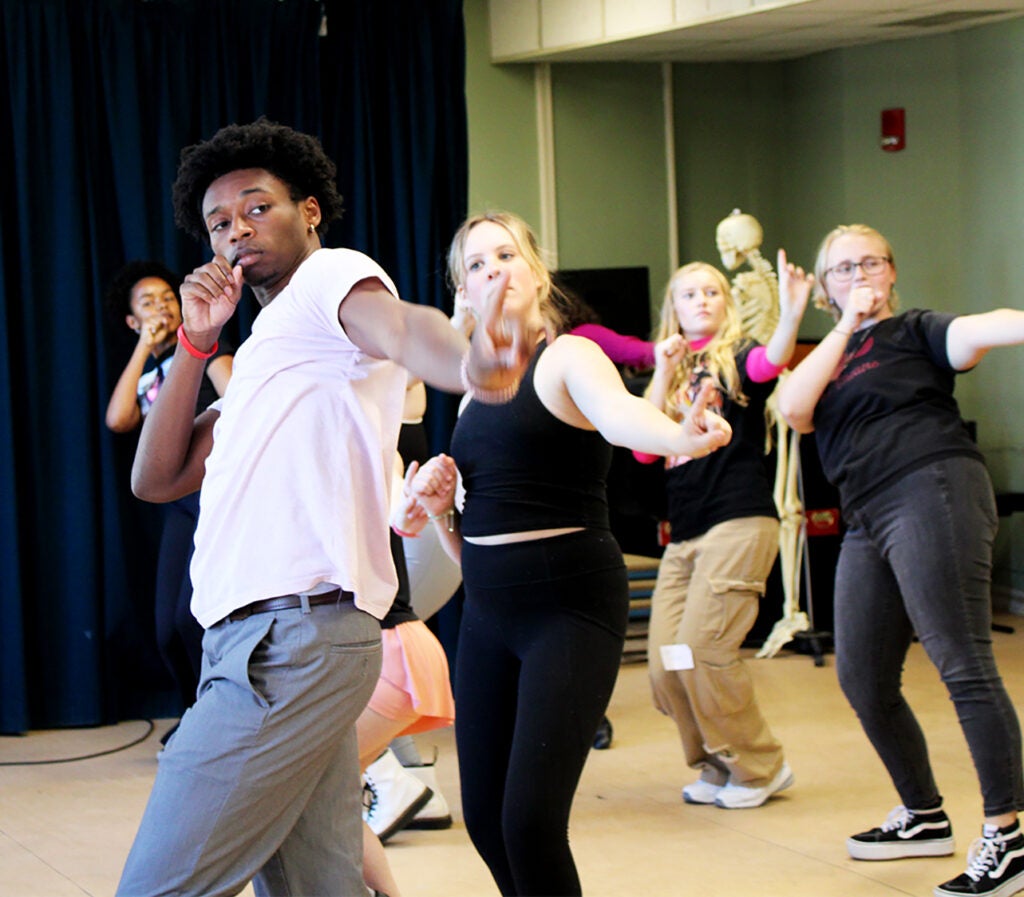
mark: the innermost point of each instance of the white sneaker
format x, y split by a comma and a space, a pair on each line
701, 792
392, 796
739, 797
435, 813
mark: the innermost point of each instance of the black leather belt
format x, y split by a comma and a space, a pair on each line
288, 602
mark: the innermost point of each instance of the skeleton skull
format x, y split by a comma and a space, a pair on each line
737, 235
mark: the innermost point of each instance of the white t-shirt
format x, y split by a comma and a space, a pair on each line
298, 483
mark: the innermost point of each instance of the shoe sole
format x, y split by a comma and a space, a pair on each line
403, 821
431, 823
1008, 887
438, 816
698, 803
899, 850
786, 783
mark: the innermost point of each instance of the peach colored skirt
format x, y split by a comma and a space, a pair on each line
414, 684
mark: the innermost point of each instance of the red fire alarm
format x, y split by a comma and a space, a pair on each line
894, 130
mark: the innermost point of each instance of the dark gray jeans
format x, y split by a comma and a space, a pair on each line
917, 558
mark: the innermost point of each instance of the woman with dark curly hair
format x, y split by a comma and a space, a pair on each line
143, 295
292, 569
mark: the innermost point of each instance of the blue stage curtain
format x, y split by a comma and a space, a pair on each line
98, 97
393, 76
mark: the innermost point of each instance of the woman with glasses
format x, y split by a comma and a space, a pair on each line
917, 553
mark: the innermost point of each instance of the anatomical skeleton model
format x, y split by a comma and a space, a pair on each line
756, 293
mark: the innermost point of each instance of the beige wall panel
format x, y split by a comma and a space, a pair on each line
515, 26
630, 16
566, 22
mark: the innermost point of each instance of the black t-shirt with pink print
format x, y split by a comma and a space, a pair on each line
890, 408
736, 480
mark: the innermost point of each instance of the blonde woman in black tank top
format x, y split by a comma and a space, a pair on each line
546, 589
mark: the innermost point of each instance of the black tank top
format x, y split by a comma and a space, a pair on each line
401, 608
523, 469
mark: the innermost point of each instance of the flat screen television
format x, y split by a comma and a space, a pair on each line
621, 296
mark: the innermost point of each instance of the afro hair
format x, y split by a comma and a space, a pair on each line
296, 158
118, 296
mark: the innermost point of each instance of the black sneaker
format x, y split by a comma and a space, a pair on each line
905, 833
995, 866
603, 738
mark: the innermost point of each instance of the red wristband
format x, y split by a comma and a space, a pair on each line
192, 350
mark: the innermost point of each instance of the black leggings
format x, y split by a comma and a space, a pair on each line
539, 650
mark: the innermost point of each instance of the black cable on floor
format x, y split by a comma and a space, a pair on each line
149, 731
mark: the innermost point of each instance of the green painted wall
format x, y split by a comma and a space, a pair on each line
609, 135
990, 75
990, 199
501, 105
796, 144
903, 193
727, 153
952, 203
610, 169
810, 199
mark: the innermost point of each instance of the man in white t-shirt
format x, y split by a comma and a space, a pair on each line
292, 567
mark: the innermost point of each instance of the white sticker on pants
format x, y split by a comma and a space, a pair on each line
677, 657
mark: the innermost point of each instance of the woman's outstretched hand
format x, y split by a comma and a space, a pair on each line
704, 431
794, 288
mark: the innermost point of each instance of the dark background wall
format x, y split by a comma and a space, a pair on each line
97, 99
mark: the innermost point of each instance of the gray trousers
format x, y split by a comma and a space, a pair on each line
261, 780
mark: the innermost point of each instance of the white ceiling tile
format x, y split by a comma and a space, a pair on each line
623, 17
690, 9
515, 27
705, 30
567, 22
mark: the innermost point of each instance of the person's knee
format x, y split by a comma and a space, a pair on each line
722, 619
483, 825
964, 665
665, 688
719, 683
868, 697
659, 699
849, 681
527, 833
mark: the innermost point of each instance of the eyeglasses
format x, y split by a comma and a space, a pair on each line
870, 265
